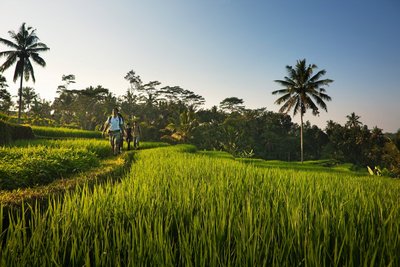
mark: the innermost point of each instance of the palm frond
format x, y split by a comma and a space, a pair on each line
281, 91
37, 59
283, 99
288, 105
317, 76
28, 71
320, 83
320, 102
7, 53
11, 59
296, 108
38, 47
8, 43
325, 97
310, 104
18, 70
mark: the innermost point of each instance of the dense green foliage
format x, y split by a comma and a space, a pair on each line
182, 209
174, 115
11, 132
358, 144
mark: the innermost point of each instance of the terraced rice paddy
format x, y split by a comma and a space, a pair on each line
177, 207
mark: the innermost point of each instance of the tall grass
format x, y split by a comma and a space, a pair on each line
100, 147
57, 132
179, 208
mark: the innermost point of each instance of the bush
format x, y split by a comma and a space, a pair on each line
10, 132
4, 117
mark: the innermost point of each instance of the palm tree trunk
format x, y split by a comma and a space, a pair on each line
20, 97
301, 136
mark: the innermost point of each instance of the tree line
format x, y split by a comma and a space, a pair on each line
177, 115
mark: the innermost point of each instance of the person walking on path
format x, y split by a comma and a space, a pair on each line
137, 132
128, 135
121, 141
115, 126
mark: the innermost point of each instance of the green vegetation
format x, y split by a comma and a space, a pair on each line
302, 90
110, 169
31, 166
311, 165
48, 173
30, 163
180, 208
25, 48
11, 132
57, 132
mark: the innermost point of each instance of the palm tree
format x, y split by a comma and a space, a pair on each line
353, 121
28, 96
26, 46
182, 130
302, 88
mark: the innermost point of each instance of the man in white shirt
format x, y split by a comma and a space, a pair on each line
115, 126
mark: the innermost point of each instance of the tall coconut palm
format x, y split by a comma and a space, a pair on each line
26, 46
302, 91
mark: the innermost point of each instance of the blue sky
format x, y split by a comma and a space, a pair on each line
222, 48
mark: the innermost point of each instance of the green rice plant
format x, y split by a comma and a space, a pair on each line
101, 147
31, 166
147, 145
177, 207
59, 132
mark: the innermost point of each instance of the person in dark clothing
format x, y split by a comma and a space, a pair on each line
121, 140
128, 135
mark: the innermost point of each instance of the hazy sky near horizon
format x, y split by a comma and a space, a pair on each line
221, 48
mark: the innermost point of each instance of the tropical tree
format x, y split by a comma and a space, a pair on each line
353, 121
232, 104
5, 100
182, 129
62, 106
302, 90
28, 96
25, 46
5, 96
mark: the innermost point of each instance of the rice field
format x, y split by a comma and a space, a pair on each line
57, 132
177, 207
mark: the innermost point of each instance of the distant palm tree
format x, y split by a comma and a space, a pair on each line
302, 88
28, 96
353, 121
26, 46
